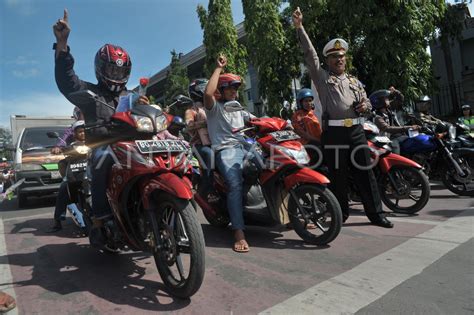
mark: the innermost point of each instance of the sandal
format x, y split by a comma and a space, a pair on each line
7, 303
241, 246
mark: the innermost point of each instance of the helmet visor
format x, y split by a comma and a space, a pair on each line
115, 73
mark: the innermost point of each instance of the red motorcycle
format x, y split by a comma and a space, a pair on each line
283, 190
150, 195
403, 186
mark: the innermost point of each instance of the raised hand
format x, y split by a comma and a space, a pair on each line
61, 29
298, 18
221, 61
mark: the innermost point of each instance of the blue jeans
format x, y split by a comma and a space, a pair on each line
62, 201
100, 166
230, 163
206, 160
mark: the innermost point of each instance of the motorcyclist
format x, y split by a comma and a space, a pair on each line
467, 117
196, 126
306, 124
230, 147
112, 69
387, 121
63, 199
68, 134
422, 107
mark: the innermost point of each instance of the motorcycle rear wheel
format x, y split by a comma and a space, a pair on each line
456, 184
321, 208
179, 243
407, 179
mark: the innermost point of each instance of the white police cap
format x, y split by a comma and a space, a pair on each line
335, 46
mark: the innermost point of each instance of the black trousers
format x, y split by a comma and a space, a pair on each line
338, 144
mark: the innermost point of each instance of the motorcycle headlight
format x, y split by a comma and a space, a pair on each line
143, 123
452, 132
300, 156
161, 123
81, 149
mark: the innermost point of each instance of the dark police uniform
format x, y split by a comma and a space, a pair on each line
343, 129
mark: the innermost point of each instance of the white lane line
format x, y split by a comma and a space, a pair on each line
5, 272
413, 220
350, 291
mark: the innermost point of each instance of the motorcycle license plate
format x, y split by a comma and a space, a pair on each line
55, 175
382, 139
78, 167
161, 146
284, 135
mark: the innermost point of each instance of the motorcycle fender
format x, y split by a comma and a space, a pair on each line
461, 151
387, 162
305, 176
170, 183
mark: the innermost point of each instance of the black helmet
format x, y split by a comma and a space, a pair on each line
196, 89
377, 98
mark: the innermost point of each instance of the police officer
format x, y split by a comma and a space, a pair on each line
343, 101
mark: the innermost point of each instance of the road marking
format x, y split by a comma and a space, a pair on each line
5, 272
414, 220
350, 291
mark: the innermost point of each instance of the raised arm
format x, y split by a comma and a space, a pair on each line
310, 55
211, 86
66, 78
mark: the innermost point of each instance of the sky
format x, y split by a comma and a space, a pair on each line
147, 29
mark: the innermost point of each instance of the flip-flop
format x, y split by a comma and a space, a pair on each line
7, 303
244, 249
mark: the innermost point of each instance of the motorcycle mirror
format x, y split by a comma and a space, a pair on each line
53, 135
286, 105
233, 106
84, 98
183, 100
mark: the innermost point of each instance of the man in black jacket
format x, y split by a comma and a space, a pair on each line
112, 69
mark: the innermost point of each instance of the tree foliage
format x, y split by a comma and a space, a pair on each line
177, 81
220, 37
269, 51
387, 39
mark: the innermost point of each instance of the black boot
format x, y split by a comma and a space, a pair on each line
381, 220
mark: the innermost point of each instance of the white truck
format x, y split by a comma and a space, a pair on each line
20, 122
33, 162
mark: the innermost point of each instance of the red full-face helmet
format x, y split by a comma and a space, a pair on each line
112, 67
227, 80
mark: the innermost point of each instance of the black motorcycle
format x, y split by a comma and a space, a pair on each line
442, 156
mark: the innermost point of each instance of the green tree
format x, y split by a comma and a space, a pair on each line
387, 39
450, 28
220, 37
177, 82
5, 140
269, 51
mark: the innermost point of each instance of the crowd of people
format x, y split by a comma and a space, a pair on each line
210, 127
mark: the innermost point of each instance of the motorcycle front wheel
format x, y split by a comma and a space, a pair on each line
404, 189
178, 245
317, 205
462, 186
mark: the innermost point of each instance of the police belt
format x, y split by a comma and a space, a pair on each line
348, 122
